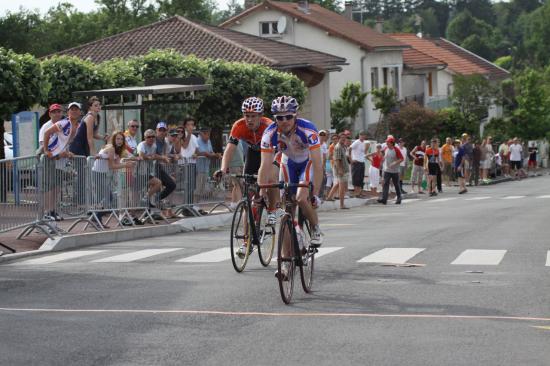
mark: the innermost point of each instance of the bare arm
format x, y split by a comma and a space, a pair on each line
266, 168
49, 132
89, 121
227, 156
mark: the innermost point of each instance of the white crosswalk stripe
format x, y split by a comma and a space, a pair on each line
480, 257
411, 200
321, 252
545, 196
443, 199
478, 198
548, 259
212, 256
60, 257
512, 197
134, 256
391, 255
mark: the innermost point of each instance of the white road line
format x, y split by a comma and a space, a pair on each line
326, 250
410, 200
212, 256
322, 251
134, 256
60, 257
480, 257
548, 259
391, 255
443, 199
477, 198
512, 197
545, 196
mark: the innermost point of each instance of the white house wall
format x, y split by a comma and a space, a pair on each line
304, 35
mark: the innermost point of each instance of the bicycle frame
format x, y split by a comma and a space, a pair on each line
248, 181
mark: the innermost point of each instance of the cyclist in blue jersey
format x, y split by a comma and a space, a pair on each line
301, 161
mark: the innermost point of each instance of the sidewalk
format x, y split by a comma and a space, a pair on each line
38, 243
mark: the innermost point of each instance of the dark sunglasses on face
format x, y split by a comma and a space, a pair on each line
133, 126
285, 117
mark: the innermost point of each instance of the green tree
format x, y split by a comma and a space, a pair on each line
482, 9
67, 74
531, 119
464, 24
348, 105
414, 123
200, 10
385, 100
478, 45
536, 29
472, 95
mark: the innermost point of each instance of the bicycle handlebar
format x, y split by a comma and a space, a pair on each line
244, 176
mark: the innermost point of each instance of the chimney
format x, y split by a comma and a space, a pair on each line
348, 7
303, 6
379, 27
249, 3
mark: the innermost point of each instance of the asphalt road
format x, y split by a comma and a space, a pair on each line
472, 289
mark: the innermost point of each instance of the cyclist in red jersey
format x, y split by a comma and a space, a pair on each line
250, 129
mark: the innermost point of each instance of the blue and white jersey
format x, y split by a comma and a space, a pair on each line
59, 140
295, 146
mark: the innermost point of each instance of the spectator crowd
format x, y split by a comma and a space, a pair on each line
182, 161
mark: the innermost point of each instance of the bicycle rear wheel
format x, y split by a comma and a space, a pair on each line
308, 260
266, 237
286, 264
240, 240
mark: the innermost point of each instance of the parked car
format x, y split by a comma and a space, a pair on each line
8, 145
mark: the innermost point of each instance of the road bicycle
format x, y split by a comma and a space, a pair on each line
301, 254
251, 209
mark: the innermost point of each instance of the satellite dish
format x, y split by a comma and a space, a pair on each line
281, 25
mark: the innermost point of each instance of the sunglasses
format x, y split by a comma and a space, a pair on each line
149, 137
133, 126
286, 117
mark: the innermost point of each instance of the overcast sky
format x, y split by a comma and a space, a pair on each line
44, 5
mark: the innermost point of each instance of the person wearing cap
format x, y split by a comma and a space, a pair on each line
147, 150
55, 145
356, 154
88, 130
55, 111
161, 155
392, 159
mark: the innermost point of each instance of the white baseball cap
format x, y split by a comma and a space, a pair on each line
71, 104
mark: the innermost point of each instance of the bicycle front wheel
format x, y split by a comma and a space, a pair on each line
286, 265
266, 237
308, 260
240, 242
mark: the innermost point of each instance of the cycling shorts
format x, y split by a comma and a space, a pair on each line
292, 172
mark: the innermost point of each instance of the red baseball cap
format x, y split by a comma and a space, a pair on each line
390, 139
55, 107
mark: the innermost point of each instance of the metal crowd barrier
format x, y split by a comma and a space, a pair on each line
34, 191
20, 200
116, 193
196, 191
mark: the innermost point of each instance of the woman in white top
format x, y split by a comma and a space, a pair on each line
107, 160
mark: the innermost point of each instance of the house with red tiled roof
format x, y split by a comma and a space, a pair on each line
374, 59
431, 63
209, 42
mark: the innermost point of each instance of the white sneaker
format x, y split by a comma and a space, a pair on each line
233, 206
316, 237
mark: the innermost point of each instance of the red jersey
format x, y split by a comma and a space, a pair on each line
432, 155
240, 131
376, 161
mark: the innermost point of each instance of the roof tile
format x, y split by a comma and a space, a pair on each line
458, 60
334, 23
204, 41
